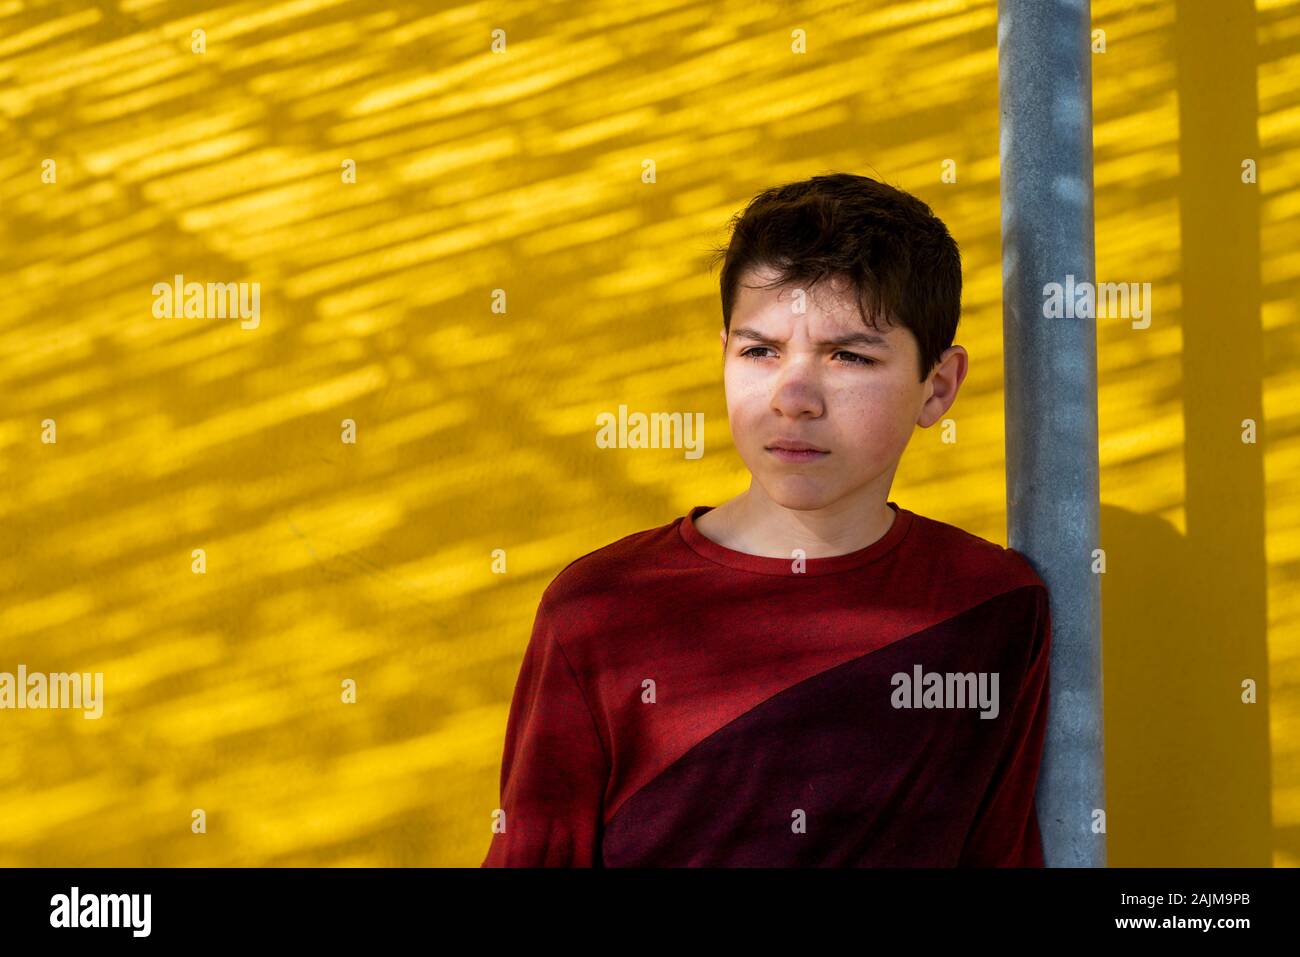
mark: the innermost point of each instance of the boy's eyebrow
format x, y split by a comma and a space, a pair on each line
852, 339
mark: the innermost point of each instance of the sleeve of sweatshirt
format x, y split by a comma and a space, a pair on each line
554, 770
1005, 832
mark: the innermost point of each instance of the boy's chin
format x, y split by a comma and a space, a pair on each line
800, 494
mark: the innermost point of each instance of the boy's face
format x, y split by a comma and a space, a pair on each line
787, 379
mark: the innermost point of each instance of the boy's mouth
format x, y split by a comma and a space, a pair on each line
796, 451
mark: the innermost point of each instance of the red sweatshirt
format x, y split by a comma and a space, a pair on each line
684, 704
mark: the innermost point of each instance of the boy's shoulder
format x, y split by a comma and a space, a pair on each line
611, 569
959, 553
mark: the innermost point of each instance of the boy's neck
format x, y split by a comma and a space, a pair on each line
754, 524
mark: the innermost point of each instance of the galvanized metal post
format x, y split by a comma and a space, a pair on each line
1045, 101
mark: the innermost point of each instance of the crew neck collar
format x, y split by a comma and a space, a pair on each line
769, 565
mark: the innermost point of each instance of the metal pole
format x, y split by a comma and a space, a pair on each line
1045, 105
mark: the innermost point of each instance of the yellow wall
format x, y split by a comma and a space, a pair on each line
522, 171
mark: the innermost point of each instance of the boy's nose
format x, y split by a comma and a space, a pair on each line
797, 395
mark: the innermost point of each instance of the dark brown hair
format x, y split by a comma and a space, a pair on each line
903, 265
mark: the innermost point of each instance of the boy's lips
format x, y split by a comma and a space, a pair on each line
796, 451
795, 445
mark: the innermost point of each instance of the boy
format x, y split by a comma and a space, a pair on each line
807, 674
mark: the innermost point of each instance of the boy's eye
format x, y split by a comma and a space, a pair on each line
854, 358
858, 360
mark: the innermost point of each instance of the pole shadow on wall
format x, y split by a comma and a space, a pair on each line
1184, 618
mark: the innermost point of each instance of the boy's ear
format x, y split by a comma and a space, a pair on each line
723, 333
945, 378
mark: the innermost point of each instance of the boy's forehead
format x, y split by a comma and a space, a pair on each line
829, 306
